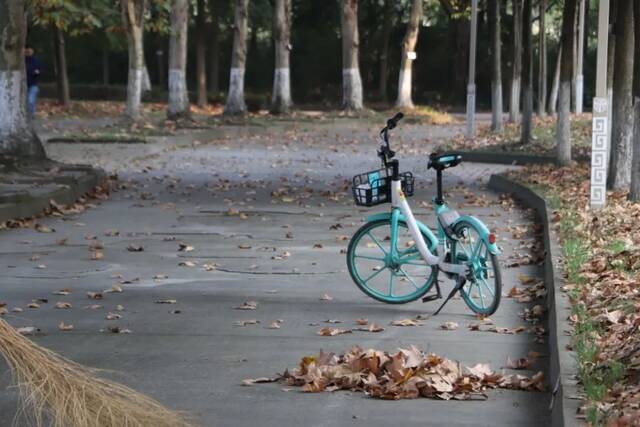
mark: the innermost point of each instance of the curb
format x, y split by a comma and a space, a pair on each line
562, 367
510, 158
73, 182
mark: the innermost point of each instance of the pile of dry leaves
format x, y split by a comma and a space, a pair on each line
407, 374
606, 286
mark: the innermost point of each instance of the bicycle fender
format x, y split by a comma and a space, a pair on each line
482, 229
432, 241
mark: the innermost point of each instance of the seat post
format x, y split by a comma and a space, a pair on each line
439, 199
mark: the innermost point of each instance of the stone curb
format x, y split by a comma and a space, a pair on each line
75, 181
510, 158
562, 365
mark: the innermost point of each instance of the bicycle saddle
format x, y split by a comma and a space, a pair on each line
444, 160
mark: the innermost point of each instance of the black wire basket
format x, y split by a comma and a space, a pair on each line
374, 188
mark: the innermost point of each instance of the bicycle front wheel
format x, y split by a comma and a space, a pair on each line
393, 281
483, 288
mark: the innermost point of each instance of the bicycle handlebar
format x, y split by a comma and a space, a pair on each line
393, 122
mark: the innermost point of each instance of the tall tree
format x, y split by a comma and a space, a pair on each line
516, 66
16, 135
634, 194
133, 12
62, 75
555, 86
178, 106
611, 53
527, 72
619, 175
563, 132
281, 97
351, 80
201, 54
496, 65
214, 48
408, 55
542, 60
384, 49
235, 96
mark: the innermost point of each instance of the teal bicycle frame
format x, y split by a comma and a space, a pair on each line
401, 212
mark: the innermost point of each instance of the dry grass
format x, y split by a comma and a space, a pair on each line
62, 393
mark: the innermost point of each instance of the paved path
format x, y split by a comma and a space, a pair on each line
195, 359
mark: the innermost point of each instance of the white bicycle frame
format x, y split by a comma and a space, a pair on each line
398, 200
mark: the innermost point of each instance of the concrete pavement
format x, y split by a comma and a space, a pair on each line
241, 197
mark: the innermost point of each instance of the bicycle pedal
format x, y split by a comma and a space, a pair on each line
429, 298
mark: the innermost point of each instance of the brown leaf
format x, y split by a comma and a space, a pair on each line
449, 326
64, 327
329, 332
248, 305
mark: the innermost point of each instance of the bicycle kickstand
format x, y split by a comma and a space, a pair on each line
460, 281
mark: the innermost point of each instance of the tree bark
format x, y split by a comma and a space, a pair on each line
281, 97
634, 194
384, 50
201, 71
178, 105
214, 49
406, 61
62, 77
17, 138
235, 97
542, 61
619, 176
527, 73
555, 86
613, 15
133, 19
496, 65
563, 133
516, 66
351, 80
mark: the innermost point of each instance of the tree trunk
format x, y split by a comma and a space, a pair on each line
384, 50
542, 61
574, 66
563, 132
555, 86
408, 55
133, 18
495, 45
235, 97
462, 26
516, 67
178, 95
281, 97
201, 71
214, 49
16, 135
634, 194
621, 140
351, 81
613, 12
105, 66
527, 73
146, 80
62, 77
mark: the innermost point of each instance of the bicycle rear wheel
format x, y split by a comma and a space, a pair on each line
483, 288
377, 275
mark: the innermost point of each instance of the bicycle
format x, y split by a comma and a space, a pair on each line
396, 259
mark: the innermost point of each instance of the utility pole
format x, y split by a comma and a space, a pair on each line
471, 85
600, 125
579, 71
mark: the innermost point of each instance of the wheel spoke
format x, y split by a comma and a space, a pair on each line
391, 275
373, 275
484, 282
369, 257
376, 242
410, 279
481, 295
479, 244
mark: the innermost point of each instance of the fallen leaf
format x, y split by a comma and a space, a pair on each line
329, 332
248, 305
326, 297
64, 327
166, 301
63, 305
449, 326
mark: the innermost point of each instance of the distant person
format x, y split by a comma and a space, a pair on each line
33, 69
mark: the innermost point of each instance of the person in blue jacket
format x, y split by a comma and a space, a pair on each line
33, 70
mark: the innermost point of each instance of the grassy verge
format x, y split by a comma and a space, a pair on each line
601, 259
